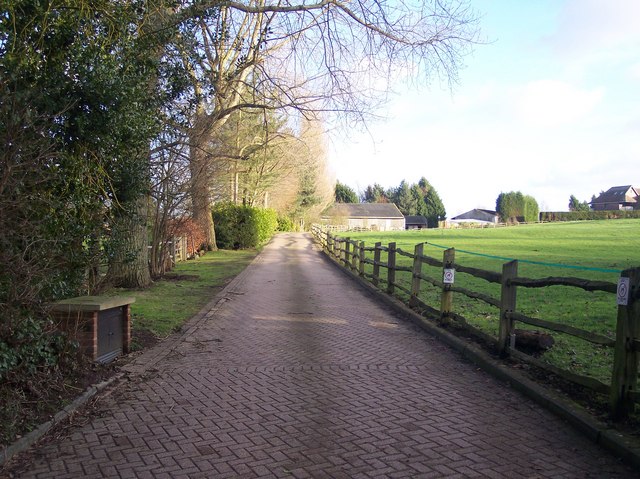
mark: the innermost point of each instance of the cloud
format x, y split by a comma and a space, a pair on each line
549, 103
634, 71
592, 27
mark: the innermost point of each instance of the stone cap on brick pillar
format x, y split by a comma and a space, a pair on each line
91, 303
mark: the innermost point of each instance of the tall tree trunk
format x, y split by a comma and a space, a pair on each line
200, 169
129, 265
129, 259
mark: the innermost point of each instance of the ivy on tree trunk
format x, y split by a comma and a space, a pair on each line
129, 265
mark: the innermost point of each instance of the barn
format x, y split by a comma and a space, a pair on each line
415, 222
363, 216
477, 216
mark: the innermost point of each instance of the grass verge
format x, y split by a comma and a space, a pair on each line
165, 306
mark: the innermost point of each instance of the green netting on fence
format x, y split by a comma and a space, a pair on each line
540, 263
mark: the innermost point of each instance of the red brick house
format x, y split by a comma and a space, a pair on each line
617, 198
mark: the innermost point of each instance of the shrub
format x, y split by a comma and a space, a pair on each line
30, 346
285, 224
516, 207
266, 222
531, 210
588, 215
240, 227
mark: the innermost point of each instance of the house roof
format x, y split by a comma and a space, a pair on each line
415, 220
363, 210
618, 194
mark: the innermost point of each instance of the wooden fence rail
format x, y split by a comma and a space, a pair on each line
623, 390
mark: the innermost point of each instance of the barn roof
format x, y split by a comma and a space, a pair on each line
363, 210
473, 214
416, 220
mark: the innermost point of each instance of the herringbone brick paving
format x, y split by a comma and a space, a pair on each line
298, 374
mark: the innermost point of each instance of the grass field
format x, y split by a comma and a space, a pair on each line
596, 250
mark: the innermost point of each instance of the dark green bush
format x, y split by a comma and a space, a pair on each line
516, 207
240, 227
30, 346
285, 224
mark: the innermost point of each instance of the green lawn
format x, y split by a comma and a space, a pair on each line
171, 301
594, 245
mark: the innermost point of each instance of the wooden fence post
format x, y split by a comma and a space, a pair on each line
417, 270
391, 268
446, 302
362, 257
354, 255
347, 252
172, 251
507, 306
376, 263
624, 379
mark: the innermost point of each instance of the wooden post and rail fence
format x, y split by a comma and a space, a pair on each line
623, 389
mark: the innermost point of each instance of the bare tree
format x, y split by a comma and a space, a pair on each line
169, 197
251, 152
333, 57
315, 185
329, 57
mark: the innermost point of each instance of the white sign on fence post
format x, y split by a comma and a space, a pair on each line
448, 275
623, 291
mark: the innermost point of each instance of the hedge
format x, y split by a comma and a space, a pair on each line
588, 215
241, 227
285, 224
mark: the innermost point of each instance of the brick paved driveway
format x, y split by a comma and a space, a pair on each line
297, 373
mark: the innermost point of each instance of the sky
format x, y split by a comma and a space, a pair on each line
549, 105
